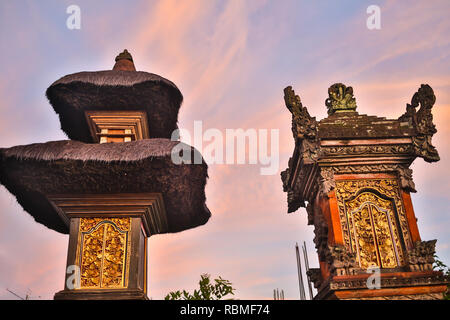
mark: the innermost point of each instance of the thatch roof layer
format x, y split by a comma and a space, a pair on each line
115, 90
113, 78
32, 172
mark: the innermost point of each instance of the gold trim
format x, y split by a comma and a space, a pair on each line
350, 194
147, 206
115, 243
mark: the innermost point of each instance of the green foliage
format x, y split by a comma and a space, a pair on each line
440, 266
207, 291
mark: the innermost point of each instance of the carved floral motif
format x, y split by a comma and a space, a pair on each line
406, 180
342, 261
389, 188
103, 248
326, 179
421, 257
403, 172
366, 149
88, 224
374, 232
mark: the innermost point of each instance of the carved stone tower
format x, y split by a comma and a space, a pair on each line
351, 172
112, 185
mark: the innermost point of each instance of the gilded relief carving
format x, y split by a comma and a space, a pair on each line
103, 249
91, 257
373, 221
87, 224
374, 234
364, 237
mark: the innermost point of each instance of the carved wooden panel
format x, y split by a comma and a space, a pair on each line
373, 220
103, 252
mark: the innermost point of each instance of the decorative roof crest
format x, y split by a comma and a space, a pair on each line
422, 121
125, 55
340, 99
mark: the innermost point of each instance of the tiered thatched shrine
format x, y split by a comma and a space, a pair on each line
351, 172
114, 184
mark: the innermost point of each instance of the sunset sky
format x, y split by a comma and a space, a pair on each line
231, 60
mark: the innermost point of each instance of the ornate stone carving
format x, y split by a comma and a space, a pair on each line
389, 282
421, 257
404, 173
406, 180
369, 149
327, 182
340, 99
370, 203
304, 127
422, 121
429, 296
315, 276
342, 261
310, 150
366, 168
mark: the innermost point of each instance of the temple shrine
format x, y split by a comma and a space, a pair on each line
351, 173
113, 184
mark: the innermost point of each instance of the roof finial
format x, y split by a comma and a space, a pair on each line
124, 62
124, 55
340, 99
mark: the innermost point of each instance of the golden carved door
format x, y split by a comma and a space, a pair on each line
374, 230
103, 252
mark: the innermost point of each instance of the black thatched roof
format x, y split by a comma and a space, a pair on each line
76, 93
33, 171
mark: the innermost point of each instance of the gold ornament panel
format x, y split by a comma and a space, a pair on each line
374, 231
372, 225
103, 252
87, 224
